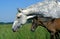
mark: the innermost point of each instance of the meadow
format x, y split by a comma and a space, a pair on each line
23, 33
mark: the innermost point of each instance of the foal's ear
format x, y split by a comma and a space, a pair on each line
28, 17
19, 9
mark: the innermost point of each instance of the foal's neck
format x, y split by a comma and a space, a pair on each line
48, 23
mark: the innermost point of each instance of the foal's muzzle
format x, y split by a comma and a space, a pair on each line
32, 30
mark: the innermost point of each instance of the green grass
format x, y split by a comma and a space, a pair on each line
23, 33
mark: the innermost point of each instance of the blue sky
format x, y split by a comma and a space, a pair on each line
8, 8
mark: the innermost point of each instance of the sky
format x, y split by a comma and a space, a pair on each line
8, 8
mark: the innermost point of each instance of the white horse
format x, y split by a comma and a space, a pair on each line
47, 9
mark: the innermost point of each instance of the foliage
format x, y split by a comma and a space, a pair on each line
23, 33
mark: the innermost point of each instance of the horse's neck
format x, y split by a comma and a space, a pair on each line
42, 10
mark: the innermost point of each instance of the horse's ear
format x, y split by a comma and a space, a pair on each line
28, 17
19, 9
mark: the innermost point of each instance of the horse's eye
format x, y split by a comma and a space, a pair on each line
18, 17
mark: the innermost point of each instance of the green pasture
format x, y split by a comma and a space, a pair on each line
23, 33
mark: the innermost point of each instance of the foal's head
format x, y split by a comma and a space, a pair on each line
35, 23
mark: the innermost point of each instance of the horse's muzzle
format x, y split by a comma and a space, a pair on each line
13, 30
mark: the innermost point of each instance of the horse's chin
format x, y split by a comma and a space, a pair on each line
18, 26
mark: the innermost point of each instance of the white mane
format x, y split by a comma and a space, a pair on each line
40, 4
48, 9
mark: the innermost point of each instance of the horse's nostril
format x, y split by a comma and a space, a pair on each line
13, 30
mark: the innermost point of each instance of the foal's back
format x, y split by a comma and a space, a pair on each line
51, 25
56, 24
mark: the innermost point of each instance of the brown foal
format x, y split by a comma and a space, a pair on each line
52, 25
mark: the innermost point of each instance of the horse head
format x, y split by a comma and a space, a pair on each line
20, 20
